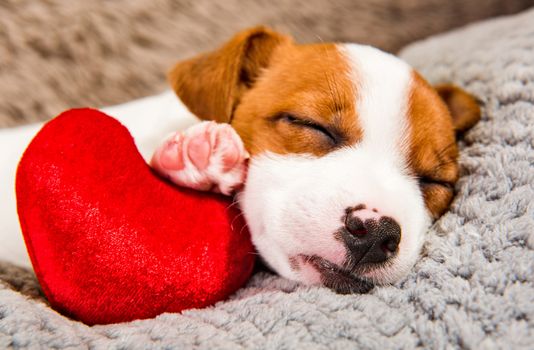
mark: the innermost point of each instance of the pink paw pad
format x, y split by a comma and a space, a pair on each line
199, 150
170, 155
232, 153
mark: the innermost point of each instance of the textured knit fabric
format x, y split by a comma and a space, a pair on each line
472, 288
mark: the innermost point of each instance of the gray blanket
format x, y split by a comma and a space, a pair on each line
472, 288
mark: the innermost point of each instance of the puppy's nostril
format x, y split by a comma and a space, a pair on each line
355, 226
390, 246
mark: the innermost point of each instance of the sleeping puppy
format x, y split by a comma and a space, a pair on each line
351, 153
341, 155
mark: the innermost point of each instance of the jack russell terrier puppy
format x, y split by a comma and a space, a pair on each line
341, 154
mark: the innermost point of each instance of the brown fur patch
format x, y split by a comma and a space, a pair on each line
433, 152
280, 97
310, 83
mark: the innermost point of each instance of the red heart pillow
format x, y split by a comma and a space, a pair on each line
109, 240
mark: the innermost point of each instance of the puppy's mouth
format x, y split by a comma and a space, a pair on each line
338, 279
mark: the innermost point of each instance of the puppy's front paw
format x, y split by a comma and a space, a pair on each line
207, 157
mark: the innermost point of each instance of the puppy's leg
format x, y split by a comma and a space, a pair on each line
207, 157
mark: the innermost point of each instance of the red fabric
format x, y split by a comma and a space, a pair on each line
109, 240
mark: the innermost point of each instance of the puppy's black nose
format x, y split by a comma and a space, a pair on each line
370, 237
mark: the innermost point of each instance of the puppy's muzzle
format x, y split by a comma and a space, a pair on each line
370, 237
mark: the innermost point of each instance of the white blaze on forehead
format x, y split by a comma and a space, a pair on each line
383, 85
382, 89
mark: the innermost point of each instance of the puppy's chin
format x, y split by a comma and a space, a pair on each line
294, 206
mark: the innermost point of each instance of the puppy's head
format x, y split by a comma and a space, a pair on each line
352, 152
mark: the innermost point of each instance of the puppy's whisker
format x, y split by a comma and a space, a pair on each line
234, 203
239, 215
245, 226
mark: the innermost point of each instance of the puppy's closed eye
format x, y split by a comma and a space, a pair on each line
426, 182
437, 194
308, 125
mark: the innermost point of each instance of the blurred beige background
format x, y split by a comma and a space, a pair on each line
58, 54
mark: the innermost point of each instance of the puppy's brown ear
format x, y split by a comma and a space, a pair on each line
212, 84
463, 107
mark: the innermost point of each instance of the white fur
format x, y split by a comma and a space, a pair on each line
149, 120
294, 203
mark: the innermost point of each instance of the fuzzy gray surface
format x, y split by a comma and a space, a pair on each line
472, 288
57, 54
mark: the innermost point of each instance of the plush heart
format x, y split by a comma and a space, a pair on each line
112, 242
